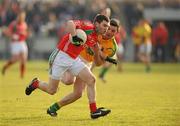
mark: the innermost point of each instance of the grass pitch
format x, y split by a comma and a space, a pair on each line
136, 98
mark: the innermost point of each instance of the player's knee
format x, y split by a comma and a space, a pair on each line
52, 92
23, 61
13, 60
92, 80
68, 81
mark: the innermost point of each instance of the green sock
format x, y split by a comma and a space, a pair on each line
148, 68
54, 107
103, 72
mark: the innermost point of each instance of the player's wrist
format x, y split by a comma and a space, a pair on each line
76, 39
15, 36
111, 60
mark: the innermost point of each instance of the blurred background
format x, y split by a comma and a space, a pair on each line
46, 22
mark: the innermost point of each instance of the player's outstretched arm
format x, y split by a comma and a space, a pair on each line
71, 27
111, 60
98, 59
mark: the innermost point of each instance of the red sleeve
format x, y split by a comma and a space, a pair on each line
84, 25
122, 33
166, 35
92, 39
118, 38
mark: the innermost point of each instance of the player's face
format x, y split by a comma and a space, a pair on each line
102, 27
21, 17
112, 30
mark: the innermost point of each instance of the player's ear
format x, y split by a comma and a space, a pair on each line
118, 29
96, 24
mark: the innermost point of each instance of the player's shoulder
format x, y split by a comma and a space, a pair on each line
112, 42
113, 39
92, 40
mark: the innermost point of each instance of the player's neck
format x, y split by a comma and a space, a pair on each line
105, 37
20, 22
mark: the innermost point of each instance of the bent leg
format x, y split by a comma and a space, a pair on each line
104, 70
70, 98
23, 60
87, 76
78, 89
50, 87
11, 61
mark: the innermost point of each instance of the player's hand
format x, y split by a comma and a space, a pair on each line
111, 60
90, 51
15, 37
76, 40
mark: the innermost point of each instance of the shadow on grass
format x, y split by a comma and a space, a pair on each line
23, 118
38, 118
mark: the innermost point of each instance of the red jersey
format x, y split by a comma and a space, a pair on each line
18, 29
120, 36
66, 46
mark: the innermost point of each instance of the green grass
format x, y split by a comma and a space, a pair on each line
136, 98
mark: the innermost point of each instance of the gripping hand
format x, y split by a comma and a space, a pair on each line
111, 60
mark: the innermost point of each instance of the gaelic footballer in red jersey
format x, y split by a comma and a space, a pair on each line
17, 32
65, 58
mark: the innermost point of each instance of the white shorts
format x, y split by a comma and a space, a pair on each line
18, 47
145, 48
88, 64
64, 62
120, 49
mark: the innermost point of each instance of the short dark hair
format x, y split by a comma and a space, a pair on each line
115, 22
100, 18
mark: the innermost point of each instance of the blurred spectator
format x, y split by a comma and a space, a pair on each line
62, 24
8, 12
142, 38
107, 12
159, 40
136, 40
